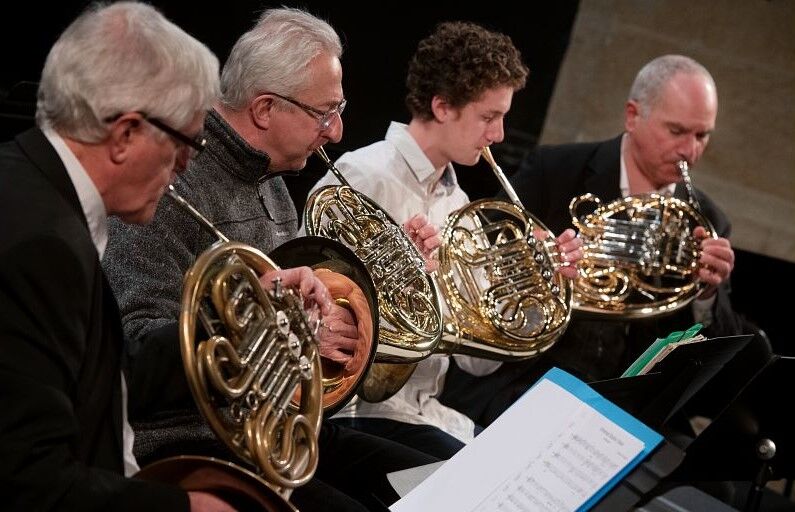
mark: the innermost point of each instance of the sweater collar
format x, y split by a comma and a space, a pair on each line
235, 154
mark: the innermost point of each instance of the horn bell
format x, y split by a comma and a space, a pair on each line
351, 287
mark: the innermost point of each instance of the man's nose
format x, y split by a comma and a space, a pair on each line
334, 132
690, 149
497, 132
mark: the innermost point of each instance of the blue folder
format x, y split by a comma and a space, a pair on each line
612, 412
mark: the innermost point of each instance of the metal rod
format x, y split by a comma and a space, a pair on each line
201, 219
331, 167
486, 152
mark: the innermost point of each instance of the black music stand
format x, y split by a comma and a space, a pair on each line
655, 397
751, 440
645, 477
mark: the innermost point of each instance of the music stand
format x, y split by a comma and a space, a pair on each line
753, 439
655, 397
645, 477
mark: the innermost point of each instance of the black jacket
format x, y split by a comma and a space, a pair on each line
60, 349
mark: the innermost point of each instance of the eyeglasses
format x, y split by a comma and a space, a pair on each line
324, 118
195, 144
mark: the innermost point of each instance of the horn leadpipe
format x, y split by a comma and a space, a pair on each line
684, 170
506, 185
201, 219
330, 165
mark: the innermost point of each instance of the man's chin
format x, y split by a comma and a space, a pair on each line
293, 167
472, 161
141, 216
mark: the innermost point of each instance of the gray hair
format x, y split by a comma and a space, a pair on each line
273, 55
124, 57
652, 78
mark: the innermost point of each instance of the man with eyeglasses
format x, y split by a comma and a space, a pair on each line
281, 99
116, 78
324, 118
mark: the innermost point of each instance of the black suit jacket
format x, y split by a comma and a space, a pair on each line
548, 178
60, 349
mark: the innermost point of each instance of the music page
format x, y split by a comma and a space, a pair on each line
555, 449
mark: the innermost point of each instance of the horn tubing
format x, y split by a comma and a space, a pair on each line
506, 185
201, 219
331, 167
684, 170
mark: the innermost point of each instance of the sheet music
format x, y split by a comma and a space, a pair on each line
573, 465
551, 451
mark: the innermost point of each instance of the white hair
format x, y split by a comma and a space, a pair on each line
273, 56
119, 58
652, 78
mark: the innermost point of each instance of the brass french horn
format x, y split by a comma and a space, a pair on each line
640, 258
256, 350
352, 288
410, 324
498, 279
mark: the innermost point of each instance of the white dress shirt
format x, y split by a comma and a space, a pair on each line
97, 219
396, 174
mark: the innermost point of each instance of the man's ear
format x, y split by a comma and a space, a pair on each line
441, 108
124, 133
260, 110
631, 115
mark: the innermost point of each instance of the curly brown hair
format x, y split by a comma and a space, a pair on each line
459, 61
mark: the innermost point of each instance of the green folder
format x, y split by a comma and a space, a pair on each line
658, 345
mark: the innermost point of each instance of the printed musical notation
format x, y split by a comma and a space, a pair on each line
572, 466
558, 449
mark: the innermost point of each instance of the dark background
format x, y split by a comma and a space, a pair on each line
376, 53
375, 57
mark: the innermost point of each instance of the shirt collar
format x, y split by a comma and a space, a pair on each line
667, 190
422, 168
87, 193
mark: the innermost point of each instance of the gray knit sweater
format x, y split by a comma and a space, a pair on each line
226, 183
146, 264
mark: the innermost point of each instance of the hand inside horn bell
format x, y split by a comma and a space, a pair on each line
339, 335
347, 331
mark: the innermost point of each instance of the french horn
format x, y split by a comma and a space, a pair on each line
640, 258
255, 350
352, 288
410, 325
498, 280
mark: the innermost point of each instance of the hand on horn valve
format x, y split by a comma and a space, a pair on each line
425, 237
569, 248
312, 289
716, 261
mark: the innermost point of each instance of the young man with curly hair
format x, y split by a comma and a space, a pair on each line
461, 81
